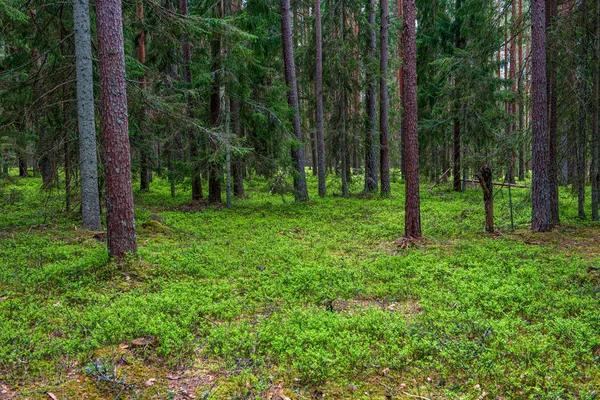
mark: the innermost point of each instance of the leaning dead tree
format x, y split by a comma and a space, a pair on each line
485, 180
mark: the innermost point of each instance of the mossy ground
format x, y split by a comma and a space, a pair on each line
271, 299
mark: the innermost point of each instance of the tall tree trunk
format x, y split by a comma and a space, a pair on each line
456, 172
595, 112
88, 157
193, 138
120, 222
319, 100
144, 143
541, 210
401, 93
214, 167
384, 163
521, 71
551, 12
371, 103
412, 225
300, 188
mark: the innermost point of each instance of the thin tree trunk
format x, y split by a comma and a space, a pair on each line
521, 71
301, 191
485, 180
214, 167
457, 186
371, 103
141, 55
541, 210
401, 93
88, 157
412, 227
187, 79
120, 220
384, 163
319, 100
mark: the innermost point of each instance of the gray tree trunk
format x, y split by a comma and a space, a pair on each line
384, 151
371, 103
319, 100
88, 157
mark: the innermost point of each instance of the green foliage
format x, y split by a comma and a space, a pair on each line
317, 295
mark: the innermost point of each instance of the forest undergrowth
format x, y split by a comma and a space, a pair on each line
274, 299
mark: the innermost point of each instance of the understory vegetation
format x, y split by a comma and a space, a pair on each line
277, 299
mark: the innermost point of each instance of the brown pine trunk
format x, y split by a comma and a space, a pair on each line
485, 180
551, 13
595, 111
371, 104
141, 55
301, 191
214, 168
412, 226
193, 138
521, 69
120, 222
401, 93
541, 211
384, 150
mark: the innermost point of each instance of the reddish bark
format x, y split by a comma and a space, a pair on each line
120, 222
214, 168
319, 100
412, 226
541, 211
551, 13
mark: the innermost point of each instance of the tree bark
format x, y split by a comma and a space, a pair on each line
144, 142
187, 79
88, 157
214, 167
319, 100
485, 180
541, 207
301, 191
371, 103
595, 114
120, 222
551, 13
384, 150
412, 227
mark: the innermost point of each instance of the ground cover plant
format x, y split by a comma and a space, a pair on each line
277, 299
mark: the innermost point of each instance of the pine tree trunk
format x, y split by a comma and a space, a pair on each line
214, 167
120, 222
371, 103
301, 191
22, 166
187, 79
144, 143
401, 93
595, 111
485, 180
412, 227
319, 100
551, 13
541, 210
88, 157
383, 102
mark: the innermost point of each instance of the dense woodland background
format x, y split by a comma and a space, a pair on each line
212, 99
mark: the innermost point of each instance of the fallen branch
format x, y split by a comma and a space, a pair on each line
500, 184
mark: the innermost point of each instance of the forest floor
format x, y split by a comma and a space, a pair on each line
272, 299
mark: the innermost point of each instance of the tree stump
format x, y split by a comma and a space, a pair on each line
485, 180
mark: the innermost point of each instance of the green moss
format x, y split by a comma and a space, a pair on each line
317, 297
